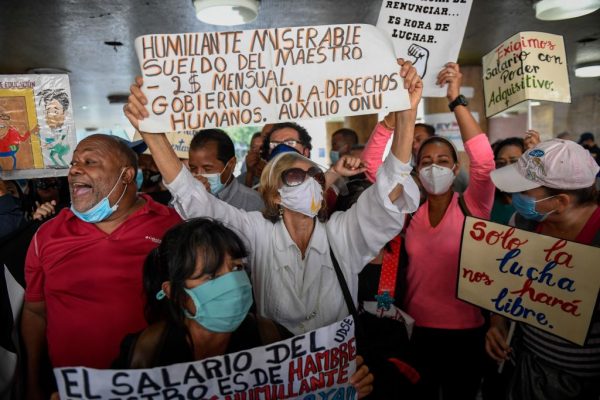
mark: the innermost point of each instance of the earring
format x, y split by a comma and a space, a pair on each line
280, 212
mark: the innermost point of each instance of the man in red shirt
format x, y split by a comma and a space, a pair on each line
84, 267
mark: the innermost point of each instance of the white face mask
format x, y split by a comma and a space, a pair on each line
436, 179
305, 198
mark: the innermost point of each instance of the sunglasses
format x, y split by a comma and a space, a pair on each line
296, 176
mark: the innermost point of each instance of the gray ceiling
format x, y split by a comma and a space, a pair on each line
70, 34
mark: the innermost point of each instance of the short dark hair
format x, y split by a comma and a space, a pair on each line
225, 147
55, 94
121, 150
437, 139
255, 135
303, 136
428, 128
199, 239
349, 135
513, 141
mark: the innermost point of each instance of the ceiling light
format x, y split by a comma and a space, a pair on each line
535, 103
554, 10
588, 70
226, 12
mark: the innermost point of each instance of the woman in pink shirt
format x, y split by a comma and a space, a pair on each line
448, 339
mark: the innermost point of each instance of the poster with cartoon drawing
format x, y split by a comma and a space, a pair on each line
37, 133
429, 34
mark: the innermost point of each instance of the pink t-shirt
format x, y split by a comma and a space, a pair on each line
434, 252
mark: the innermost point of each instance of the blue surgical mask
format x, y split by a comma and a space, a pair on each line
139, 179
214, 180
525, 206
102, 210
334, 156
222, 303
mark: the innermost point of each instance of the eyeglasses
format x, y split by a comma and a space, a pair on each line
296, 176
288, 142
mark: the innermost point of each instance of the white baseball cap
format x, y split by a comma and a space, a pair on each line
556, 163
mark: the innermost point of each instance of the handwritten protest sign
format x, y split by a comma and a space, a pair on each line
314, 366
180, 142
218, 79
428, 34
37, 134
445, 125
549, 283
526, 66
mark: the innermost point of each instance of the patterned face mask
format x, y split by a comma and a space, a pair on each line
305, 198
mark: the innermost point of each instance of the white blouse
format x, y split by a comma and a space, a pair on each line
304, 294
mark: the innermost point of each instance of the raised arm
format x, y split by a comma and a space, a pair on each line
165, 157
451, 75
404, 130
479, 195
190, 197
375, 147
359, 233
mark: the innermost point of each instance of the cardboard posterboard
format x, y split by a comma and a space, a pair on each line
316, 365
37, 133
549, 283
218, 79
526, 66
446, 126
427, 33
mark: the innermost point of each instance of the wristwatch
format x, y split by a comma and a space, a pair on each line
459, 101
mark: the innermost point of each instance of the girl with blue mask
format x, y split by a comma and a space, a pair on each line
198, 297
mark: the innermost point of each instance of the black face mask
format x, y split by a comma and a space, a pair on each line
151, 178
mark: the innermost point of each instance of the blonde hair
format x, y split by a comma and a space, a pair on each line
270, 182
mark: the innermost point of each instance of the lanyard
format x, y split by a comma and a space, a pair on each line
389, 271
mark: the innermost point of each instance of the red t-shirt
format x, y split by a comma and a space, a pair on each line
91, 282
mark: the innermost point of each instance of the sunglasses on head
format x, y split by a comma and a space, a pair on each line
296, 176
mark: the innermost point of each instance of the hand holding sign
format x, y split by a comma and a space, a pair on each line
135, 109
412, 83
532, 138
452, 76
496, 339
362, 379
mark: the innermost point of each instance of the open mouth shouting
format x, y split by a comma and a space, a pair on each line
81, 194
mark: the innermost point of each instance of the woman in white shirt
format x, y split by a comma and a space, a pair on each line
292, 270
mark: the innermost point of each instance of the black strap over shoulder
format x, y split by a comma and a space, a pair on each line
344, 285
463, 206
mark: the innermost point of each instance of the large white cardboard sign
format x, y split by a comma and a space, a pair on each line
314, 366
427, 33
549, 283
526, 66
218, 79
